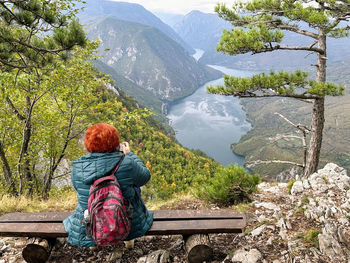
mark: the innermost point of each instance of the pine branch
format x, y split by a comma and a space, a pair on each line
43, 50
11, 65
14, 109
257, 162
249, 94
270, 48
298, 126
281, 137
297, 30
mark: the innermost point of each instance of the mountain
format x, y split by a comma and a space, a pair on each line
149, 58
169, 19
130, 88
129, 12
203, 31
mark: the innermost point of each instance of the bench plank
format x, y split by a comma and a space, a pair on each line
158, 215
185, 227
45, 230
166, 222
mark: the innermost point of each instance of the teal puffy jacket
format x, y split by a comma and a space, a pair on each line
132, 172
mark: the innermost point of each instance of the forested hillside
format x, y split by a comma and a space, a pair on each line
259, 143
174, 169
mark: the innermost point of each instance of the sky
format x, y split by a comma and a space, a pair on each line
179, 6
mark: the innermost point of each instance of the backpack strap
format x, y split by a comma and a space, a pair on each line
111, 175
117, 166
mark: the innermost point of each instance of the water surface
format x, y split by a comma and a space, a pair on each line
210, 122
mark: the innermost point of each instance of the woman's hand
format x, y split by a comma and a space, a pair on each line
126, 147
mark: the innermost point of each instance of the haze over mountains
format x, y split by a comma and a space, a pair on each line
149, 58
151, 61
130, 12
156, 58
203, 31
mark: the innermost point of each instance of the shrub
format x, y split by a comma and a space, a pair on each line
311, 237
290, 185
229, 185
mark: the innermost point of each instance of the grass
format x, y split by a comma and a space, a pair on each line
310, 237
242, 207
290, 185
174, 201
65, 201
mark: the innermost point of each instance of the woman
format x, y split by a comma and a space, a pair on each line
102, 142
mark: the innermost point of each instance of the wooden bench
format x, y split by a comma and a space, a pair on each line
194, 225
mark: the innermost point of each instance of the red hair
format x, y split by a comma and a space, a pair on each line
101, 137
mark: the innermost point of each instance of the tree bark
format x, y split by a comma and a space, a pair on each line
198, 248
38, 250
23, 161
316, 137
7, 171
317, 112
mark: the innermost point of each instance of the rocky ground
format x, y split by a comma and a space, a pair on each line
306, 223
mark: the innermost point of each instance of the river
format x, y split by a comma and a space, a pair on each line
210, 122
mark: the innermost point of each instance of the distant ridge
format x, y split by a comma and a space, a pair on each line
203, 31
150, 59
130, 12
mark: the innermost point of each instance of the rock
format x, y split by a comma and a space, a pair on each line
283, 234
306, 184
270, 206
329, 246
159, 256
297, 188
115, 254
257, 231
281, 223
243, 256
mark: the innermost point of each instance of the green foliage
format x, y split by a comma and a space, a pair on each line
229, 185
276, 84
311, 237
290, 185
44, 114
34, 31
239, 41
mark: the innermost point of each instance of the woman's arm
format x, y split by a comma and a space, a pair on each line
139, 173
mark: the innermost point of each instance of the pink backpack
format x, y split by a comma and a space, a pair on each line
108, 211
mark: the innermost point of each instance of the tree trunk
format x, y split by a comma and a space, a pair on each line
47, 185
198, 248
317, 112
38, 250
7, 171
316, 137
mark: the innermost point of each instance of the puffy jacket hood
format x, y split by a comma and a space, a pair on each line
95, 165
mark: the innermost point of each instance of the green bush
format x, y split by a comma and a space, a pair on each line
229, 185
290, 185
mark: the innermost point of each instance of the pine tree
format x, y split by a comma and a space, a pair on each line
33, 31
258, 28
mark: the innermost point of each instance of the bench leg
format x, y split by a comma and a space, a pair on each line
38, 250
198, 248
